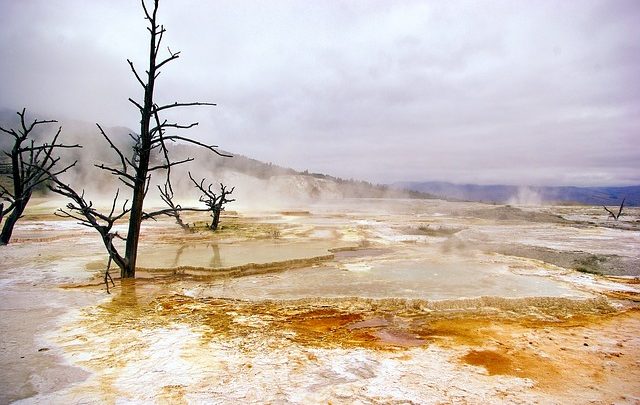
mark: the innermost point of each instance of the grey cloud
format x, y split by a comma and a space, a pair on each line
496, 91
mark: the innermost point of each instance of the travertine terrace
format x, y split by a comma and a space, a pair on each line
352, 301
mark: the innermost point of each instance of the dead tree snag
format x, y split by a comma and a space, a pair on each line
214, 201
173, 210
136, 172
615, 216
32, 165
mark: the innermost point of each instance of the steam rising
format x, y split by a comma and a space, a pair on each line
526, 196
258, 186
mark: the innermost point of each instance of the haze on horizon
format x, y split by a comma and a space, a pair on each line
502, 92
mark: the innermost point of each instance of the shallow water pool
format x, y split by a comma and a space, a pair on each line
415, 279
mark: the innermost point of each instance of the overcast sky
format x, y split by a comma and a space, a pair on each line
512, 92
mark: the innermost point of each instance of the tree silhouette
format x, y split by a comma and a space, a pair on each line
32, 165
214, 201
615, 216
136, 172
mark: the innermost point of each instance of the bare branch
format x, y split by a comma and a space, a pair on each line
107, 276
165, 152
610, 212
160, 34
173, 125
169, 212
47, 146
10, 132
146, 12
135, 103
54, 174
4, 193
115, 148
27, 130
115, 171
621, 206
172, 56
135, 73
170, 164
193, 141
176, 104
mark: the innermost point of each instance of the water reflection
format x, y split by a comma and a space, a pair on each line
214, 263
225, 255
413, 279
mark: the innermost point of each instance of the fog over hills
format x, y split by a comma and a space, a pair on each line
263, 183
257, 184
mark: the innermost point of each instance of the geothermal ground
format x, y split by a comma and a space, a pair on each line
356, 301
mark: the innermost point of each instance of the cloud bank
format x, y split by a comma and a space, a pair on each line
537, 93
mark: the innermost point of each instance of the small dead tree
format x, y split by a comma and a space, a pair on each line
615, 216
84, 212
214, 201
32, 165
173, 210
136, 172
166, 194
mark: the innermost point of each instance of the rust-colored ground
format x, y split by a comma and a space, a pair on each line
558, 349
561, 345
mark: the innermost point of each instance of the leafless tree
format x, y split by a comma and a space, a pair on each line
173, 210
136, 172
214, 201
32, 165
615, 216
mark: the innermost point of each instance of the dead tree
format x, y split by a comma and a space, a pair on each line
84, 212
173, 210
615, 216
32, 165
214, 201
166, 194
136, 172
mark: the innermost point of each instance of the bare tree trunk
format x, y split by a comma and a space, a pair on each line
140, 186
10, 222
31, 166
133, 236
18, 190
216, 218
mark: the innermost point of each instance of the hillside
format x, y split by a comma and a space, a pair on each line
256, 182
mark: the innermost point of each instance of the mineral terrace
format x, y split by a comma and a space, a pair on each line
351, 301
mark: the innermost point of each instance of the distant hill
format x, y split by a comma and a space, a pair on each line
528, 195
256, 182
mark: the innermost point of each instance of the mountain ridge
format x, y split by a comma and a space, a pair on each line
509, 194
